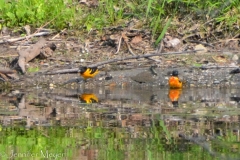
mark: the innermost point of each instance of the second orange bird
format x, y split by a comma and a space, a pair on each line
88, 98
88, 72
174, 81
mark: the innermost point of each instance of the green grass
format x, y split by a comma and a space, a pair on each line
155, 15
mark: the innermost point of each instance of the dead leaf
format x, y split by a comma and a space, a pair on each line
136, 39
220, 58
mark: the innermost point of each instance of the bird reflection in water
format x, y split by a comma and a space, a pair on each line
174, 95
88, 98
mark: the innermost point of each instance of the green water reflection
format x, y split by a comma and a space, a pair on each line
120, 124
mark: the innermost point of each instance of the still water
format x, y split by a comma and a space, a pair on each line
143, 123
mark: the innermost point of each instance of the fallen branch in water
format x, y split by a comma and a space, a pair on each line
199, 140
75, 70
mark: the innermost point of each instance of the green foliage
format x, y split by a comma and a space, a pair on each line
33, 69
36, 12
163, 32
71, 14
111, 143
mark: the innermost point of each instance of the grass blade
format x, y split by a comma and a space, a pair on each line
163, 31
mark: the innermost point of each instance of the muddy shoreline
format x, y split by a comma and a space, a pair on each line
193, 77
207, 68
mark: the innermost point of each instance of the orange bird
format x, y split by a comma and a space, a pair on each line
88, 72
174, 81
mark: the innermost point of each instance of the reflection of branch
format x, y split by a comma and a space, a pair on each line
75, 70
201, 141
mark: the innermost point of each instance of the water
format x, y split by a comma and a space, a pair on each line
120, 123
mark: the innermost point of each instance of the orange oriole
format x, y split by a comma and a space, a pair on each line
88, 72
174, 81
88, 98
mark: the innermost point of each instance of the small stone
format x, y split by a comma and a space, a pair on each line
82, 60
15, 92
216, 82
51, 85
192, 85
235, 57
200, 47
169, 42
174, 42
227, 53
45, 64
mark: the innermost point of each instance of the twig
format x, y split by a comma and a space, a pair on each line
236, 36
140, 56
204, 43
58, 33
129, 48
159, 50
75, 70
3, 77
46, 23
201, 142
26, 37
119, 44
32, 35
6, 56
6, 71
217, 67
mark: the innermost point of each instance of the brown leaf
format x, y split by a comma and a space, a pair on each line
136, 39
220, 58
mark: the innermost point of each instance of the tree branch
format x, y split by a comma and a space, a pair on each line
75, 70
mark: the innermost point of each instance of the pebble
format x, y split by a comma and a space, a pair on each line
200, 47
216, 82
51, 86
235, 57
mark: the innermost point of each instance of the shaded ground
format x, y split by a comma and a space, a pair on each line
209, 67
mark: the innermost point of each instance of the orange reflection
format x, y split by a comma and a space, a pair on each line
174, 95
88, 98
